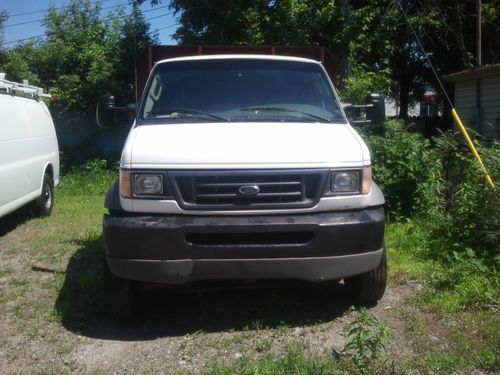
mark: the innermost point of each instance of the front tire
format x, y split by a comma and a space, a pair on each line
369, 287
44, 204
119, 294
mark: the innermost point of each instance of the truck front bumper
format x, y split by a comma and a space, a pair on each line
179, 249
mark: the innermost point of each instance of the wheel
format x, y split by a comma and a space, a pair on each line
369, 287
119, 294
43, 205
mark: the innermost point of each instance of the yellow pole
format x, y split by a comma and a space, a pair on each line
471, 146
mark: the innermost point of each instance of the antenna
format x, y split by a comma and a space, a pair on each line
454, 113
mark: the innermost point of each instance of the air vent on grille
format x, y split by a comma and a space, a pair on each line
248, 189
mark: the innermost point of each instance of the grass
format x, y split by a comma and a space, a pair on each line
295, 361
35, 267
459, 327
447, 342
52, 276
459, 282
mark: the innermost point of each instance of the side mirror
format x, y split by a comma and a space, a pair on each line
105, 111
108, 115
375, 109
372, 112
123, 116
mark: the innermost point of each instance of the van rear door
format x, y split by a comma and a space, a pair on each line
15, 152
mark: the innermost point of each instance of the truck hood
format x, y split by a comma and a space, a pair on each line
244, 145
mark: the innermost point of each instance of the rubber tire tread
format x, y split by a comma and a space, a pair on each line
119, 294
38, 209
369, 287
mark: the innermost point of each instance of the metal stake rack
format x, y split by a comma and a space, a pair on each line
25, 89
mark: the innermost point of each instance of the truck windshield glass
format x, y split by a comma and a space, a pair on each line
239, 90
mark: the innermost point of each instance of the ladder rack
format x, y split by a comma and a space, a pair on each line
25, 88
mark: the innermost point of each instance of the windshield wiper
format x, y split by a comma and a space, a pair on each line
187, 111
324, 119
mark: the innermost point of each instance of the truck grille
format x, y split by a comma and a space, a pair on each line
248, 189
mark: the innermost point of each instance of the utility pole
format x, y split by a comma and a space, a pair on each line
478, 33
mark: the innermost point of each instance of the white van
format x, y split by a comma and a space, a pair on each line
242, 167
29, 154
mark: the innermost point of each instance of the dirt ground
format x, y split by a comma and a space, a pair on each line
174, 329
187, 329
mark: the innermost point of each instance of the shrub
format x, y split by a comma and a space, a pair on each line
401, 160
441, 188
459, 206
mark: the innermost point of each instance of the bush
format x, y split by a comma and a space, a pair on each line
441, 188
439, 182
401, 160
459, 206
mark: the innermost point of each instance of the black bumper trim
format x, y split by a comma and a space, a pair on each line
166, 237
186, 270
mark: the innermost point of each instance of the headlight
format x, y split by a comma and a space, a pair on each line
345, 182
148, 184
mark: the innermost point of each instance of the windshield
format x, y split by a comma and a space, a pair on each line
239, 90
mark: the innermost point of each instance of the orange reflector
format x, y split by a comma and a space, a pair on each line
125, 184
366, 180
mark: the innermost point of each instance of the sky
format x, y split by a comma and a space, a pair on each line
160, 17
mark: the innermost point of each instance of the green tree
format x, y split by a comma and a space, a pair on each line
16, 63
382, 45
78, 57
84, 55
382, 39
3, 18
262, 22
370, 39
134, 39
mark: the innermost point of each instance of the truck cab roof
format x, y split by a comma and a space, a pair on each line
240, 56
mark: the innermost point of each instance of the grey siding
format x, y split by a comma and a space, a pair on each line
465, 103
490, 103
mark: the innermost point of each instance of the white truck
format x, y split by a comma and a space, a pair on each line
29, 153
242, 167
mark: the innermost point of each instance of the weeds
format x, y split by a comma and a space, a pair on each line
439, 191
293, 362
400, 161
366, 339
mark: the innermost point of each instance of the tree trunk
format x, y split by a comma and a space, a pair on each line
343, 68
404, 97
456, 26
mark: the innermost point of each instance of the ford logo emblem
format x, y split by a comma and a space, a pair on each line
249, 189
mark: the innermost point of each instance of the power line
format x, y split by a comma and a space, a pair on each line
45, 10
41, 19
23, 39
104, 21
166, 27
105, 8
163, 15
